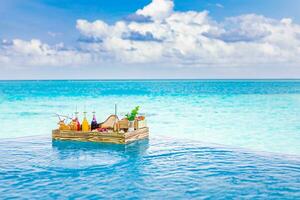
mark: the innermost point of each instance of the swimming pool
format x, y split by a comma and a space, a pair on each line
210, 139
159, 168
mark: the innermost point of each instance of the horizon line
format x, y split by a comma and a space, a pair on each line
155, 79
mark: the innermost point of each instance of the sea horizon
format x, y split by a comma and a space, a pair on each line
161, 79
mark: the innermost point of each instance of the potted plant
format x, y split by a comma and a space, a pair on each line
131, 117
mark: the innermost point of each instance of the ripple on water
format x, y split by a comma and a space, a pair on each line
155, 169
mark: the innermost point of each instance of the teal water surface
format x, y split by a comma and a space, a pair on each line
159, 168
211, 139
256, 115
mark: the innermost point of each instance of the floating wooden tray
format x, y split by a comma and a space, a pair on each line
114, 137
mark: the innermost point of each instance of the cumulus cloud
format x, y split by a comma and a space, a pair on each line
20, 53
157, 9
194, 39
159, 35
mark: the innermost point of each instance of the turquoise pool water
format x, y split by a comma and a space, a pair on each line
36, 168
209, 139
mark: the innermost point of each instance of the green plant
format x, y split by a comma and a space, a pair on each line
131, 116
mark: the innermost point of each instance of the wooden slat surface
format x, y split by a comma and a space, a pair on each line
117, 138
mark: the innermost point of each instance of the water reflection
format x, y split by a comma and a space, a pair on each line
138, 147
96, 156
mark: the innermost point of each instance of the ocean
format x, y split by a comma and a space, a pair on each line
256, 115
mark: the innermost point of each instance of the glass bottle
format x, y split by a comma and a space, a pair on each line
85, 123
77, 121
94, 123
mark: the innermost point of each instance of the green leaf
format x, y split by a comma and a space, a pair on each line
133, 114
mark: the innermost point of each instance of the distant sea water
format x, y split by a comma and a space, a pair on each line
260, 115
210, 139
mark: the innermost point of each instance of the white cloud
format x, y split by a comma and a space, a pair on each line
194, 39
53, 34
170, 38
157, 9
219, 5
20, 53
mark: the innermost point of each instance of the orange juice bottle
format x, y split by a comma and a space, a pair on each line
85, 124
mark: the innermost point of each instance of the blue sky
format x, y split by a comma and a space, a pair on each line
53, 22
36, 18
